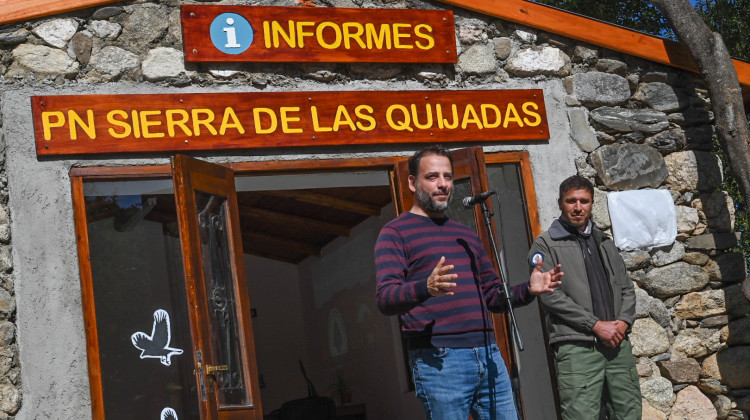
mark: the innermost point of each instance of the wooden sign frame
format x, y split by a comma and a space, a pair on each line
317, 34
93, 124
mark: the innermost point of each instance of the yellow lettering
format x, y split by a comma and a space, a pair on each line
316, 123
470, 116
537, 118
415, 113
443, 122
397, 35
515, 118
205, 122
302, 33
267, 34
426, 36
398, 125
145, 124
358, 111
286, 119
136, 124
47, 124
257, 116
229, 114
126, 130
342, 117
485, 118
181, 122
356, 35
380, 39
87, 126
278, 32
337, 33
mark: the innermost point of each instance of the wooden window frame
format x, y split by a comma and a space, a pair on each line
79, 175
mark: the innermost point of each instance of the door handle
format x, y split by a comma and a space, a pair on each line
210, 369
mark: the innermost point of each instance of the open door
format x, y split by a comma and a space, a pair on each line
469, 179
222, 337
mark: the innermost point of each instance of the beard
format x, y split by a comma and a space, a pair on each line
429, 205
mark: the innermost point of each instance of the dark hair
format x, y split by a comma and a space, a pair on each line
429, 150
576, 182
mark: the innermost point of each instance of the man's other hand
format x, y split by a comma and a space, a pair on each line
609, 332
439, 283
544, 282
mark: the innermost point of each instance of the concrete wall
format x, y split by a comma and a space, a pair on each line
134, 47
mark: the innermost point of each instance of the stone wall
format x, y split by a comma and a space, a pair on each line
634, 124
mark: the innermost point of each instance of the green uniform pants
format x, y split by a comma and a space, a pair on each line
582, 371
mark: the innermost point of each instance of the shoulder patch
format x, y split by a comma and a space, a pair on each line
535, 259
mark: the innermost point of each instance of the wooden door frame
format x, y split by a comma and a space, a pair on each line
100, 173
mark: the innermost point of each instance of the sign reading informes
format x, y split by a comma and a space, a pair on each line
317, 34
86, 124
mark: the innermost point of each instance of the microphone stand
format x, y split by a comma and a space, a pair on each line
515, 336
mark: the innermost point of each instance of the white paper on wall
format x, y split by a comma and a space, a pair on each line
642, 219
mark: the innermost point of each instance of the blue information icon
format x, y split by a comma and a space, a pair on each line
231, 33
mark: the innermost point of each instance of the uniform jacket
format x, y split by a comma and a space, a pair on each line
569, 312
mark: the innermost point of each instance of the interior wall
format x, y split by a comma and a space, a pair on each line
366, 346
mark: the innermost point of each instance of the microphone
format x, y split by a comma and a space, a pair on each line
469, 202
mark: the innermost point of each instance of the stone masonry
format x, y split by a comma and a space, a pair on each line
637, 124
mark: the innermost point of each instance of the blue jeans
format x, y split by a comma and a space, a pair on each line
453, 382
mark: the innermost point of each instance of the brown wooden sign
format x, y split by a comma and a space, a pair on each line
319, 34
86, 124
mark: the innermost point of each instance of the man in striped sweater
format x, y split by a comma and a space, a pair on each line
436, 275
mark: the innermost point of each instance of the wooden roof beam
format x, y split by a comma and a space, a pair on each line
286, 218
592, 31
296, 246
327, 201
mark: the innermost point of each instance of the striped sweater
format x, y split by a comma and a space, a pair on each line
407, 250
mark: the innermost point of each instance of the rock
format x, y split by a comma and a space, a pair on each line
162, 63
598, 89
700, 305
471, 31
81, 45
685, 167
729, 366
667, 254
10, 399
738, 304
477, 59
584, 55
687, 219
729, 267
56, 32
658, 392
646, 367
525, 37
711, 241
600, 210
146, 25
629, 166
7, 333
668, 141
743, 403
636, 259
697, 342
661, 97
380, 71
723, 406
547, 61
623, 120
715, 322
580, 131
607, 65
642, 303
684, 371
738, 332
104, 29
675, 279
695, 258
699, 138
692, 404
106, 12
45, 60
712, 386
503, 48
7, 304
13, 36
650, 413
717, 209
648, 338
113, 62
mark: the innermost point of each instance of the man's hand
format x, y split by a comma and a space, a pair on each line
439, 283
544, 282
611, 333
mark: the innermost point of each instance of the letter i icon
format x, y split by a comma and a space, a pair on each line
231, 35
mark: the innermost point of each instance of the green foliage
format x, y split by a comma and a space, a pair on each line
730, 18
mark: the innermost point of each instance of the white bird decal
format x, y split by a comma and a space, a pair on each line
168, 414
157, 344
